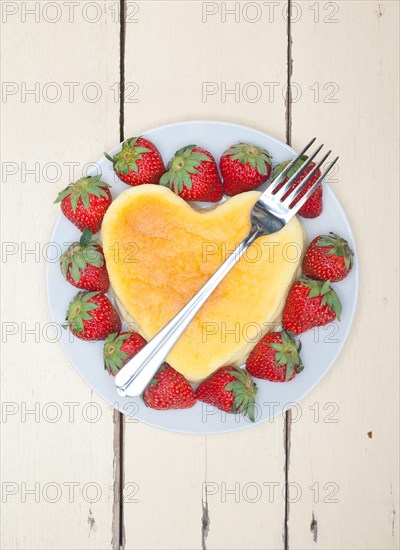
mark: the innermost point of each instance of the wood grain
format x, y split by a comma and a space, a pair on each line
347, 443
191, 67
187, 60
69, 438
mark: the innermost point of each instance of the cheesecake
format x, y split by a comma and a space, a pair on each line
160, 251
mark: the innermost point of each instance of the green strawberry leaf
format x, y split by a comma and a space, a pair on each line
74, 201
186, 151
334, 303
287, 353
85, 199
126, 160
82, 189
74, 272
257, 158
86, 237
315, 291
186, 180
275, 346
243, 390
339, 247
79, 260
79, 309
289, 370
64, 193
94, 257
325, 287
184, 164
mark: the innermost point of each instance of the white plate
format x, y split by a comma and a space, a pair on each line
319, 348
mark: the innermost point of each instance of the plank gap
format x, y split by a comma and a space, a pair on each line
122, 49
287, 442
122, 482
289, 63
205, 519
118, 542
117, 521
314, 528
288, 415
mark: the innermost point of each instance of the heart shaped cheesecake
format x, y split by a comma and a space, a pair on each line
160, 251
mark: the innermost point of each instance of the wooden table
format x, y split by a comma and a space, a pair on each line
326, 474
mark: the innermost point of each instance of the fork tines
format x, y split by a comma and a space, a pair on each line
291, 197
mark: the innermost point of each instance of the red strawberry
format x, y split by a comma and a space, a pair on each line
313, 207
244, 167
139, 161
119, 348
91, 316
193, 175
275, 358
83, 265
85, 202
230, 389
328, 257
310, 304
169, 390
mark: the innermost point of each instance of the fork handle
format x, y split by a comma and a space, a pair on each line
133, 378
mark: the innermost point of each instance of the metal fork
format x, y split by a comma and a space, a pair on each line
269, 214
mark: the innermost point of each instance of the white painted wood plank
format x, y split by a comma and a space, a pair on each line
167, 471
192, 60
245, 475
202, 62
357, 55
64, 451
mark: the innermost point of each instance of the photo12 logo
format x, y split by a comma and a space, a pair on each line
274, 411
268, 12
69, 92
67, 412
68, 491
268, 251
268, 92
69, 11
269, 491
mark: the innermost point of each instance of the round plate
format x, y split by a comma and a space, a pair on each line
320, 347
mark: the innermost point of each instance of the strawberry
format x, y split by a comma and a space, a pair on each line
193, 175
230, 389
139, 161
119, 348
83, 265
275, 358
85, 202
313, 207
328, 257
91, 316
244, 167
310, 304
169, 390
